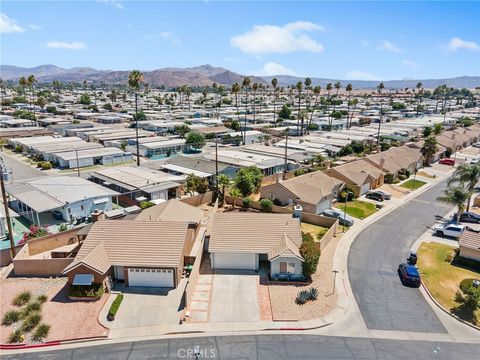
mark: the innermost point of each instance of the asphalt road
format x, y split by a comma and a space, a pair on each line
290, 347
19, 169
373, 260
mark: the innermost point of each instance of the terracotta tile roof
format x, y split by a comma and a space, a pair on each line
470, 239
285, 247
252, 232
172, 210
132, 243
359, 171
396, 158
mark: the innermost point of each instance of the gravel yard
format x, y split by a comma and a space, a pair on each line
282, 297
67, 319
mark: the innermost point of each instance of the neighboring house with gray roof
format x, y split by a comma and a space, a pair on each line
240, 241
314, 191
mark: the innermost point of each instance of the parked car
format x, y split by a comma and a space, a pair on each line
477, 145
470, 217
475, 161
409, 274
375, 195
57, 215
412, 258
451, 230
447, 161
386, 194
343, 218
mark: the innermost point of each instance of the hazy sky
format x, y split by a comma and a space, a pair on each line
345, 40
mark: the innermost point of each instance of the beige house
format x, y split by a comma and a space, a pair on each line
314, 191
359, 175
242, 241
470, 245
396, 159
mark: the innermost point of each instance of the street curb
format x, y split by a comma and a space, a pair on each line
298, 329
445, 310
50, 343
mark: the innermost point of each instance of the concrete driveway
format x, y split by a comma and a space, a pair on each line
145, 306
234, 297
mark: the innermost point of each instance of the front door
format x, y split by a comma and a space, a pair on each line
283, 267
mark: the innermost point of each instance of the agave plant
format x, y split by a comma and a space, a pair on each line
302, 297
313, 294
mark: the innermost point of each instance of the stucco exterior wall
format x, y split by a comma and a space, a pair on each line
275, 265
469, 253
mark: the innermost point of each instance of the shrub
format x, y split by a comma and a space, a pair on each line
115, 306
10, 317
402, 177
266, 205
18, 149
92, 291
41, 332
246, 202
22, 298
302, 297
310, 254
389, 178
16, 337
313, 294
146, 204
31, 321
42, 298
46, 165
33, 306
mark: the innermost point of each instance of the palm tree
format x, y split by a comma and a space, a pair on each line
235, 90
316, 90
135, 78
355, 103
380, 88
429, 148
329, 89
234, 193
348, 89
274, 86
246, 85
419, 87
2, 89
458, 196
223, 182
188, 93
30, 82
467, 175
255, 89
299, 88
337, 86
308, 84
23, 83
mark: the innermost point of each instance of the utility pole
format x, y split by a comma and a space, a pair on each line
216, 166
7, 215
78, 164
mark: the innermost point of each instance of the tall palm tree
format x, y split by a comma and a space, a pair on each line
31, 82
308, 84
235, 90
337, 86
355, 103
135, 79
188, 93
419, 87
348, 89
466, 175
23, 83
458, 196
2, 89
299, 88
329, 99
316, 90
274, 86
255, 89
223, 181
380, 88
245, 85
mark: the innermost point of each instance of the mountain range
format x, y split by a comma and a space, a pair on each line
206, 75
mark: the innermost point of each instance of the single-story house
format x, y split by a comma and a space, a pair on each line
437, 156
314, 191
240, 241
71, 196
172, 210
138, 253
470, 245
359, 175
396, 159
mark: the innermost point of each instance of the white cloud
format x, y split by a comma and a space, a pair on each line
115, 3
76, 45
8, 26
456, 43
267, 39
272, 68
35, 27
410, 63
360, 75
165, 35
365, 43
388, 46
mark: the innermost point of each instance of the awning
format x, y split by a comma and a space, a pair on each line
100, 201
83, 279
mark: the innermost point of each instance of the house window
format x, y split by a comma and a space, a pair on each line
81, 207
291, 267
283, 267
272, 196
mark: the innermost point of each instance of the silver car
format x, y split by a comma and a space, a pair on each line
343, 218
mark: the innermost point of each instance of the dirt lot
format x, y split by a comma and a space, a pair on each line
282, 297
68, 319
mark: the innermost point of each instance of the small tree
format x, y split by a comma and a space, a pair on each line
248, 180
195, 140
429, 148
234, 193
196, 184
85, 99
223, 182
285, 112
310, 254
427, 131
266, 205
182, 130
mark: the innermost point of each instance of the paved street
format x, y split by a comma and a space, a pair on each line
19, 169
373, 259
266, 347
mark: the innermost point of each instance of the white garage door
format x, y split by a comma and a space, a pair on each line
150, 277
234, 261
364, 188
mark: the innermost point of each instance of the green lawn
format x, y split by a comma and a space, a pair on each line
413, 184
441, 276
358, 209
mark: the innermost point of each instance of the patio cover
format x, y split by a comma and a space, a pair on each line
83, 279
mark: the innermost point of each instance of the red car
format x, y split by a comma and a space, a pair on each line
447, 161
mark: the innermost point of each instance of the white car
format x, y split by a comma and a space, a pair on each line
475, 161
450, 230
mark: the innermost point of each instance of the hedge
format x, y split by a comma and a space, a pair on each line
92, 291
114, 307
